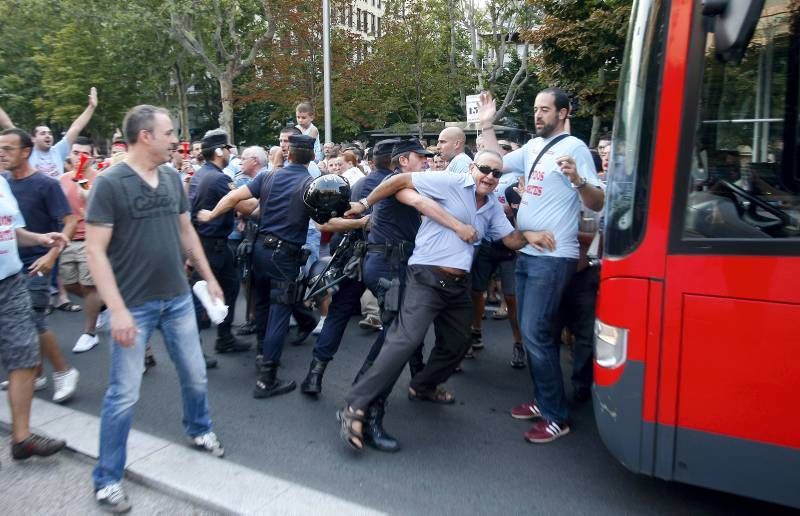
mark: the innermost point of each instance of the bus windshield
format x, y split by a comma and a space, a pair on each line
634, 124
744, 181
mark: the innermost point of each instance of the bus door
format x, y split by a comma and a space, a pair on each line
730, 358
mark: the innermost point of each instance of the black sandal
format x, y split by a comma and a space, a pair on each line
346, 417
439, 395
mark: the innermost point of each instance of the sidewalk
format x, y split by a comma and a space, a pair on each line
161, 477
62, 484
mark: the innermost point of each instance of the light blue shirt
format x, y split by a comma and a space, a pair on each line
441, 246
459, 164
549, 201
10, 219
50, 163
313, 168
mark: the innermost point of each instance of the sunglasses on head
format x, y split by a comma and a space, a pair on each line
486, 170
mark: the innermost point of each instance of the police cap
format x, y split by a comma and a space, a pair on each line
410, 145
384, 147
326, 197
301, 141
214, 139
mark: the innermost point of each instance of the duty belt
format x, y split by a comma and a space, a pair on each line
273, 242
400, 250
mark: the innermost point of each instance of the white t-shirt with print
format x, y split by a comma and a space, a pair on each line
51, 162
549, 201
10, 220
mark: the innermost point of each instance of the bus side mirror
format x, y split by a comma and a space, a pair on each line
733, 23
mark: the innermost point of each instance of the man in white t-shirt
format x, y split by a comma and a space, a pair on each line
48, 158
555, 187
451, 148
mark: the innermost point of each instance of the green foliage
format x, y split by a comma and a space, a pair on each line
579, 48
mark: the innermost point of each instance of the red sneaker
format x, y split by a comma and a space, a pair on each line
526, 411
545, 431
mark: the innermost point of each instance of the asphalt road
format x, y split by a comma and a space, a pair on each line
469, 458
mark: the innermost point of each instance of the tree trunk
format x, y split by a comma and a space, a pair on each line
596, 121
226, 96
183, 102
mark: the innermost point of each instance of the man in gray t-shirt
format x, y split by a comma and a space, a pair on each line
137, 233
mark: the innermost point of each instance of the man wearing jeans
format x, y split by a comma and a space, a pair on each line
558, 179
134, 205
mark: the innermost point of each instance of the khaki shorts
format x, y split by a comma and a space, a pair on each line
73, 267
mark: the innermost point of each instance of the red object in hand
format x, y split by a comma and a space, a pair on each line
80, 178
185, 149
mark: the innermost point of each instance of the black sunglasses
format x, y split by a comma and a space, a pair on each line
486, 170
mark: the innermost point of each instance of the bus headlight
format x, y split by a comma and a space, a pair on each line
610, 344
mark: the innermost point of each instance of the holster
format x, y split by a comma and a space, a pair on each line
286, 292
389, 299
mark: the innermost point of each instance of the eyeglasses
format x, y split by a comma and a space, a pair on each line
486, 170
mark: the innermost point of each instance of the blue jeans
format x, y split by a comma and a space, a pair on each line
541, 281
175, 318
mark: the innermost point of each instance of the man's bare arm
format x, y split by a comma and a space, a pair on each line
515, 240
226, 204
27, 238
593, 197
5, 120
193, 250
434, 211
487, 109
386, 189
79, 123
341, 225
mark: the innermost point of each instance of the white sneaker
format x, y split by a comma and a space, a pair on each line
208, 442
39, 384
292, 322
65, 384
318, 328
85, 343
102, 320
113, 499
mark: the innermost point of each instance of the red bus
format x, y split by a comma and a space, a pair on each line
697, 341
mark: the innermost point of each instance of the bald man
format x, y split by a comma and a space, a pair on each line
451, 148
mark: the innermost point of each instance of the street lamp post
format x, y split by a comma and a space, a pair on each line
326, 67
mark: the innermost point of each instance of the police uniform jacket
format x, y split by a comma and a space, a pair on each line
208, 185
280, 195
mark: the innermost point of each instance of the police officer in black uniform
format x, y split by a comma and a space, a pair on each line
347, 299
208, 185
277, 255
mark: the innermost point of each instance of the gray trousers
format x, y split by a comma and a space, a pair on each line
431, 296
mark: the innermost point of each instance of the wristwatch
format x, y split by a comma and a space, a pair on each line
581, 184
364, 203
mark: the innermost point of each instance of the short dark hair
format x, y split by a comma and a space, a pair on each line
83, 140
300, 156
140, 118
561, 97
25, 140
395, 163
290, 130
382, 160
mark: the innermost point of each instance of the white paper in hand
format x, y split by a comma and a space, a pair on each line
216, 309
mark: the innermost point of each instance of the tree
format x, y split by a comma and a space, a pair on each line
579, 46
226, 35
494, 34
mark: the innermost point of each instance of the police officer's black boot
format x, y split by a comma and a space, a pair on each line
374, 434
230, 344
313, 382
268, 383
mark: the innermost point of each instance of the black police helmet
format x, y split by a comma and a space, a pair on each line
326, 197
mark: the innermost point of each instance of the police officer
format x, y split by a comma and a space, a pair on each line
277, 255
437, 288
207, 186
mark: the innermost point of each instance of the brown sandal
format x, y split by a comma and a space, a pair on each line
346, 417
439, 395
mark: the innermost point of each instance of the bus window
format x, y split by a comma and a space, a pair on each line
635, 120
744, 181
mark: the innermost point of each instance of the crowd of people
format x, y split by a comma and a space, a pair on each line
419, 237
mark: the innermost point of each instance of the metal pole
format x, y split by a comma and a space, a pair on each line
326, 66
